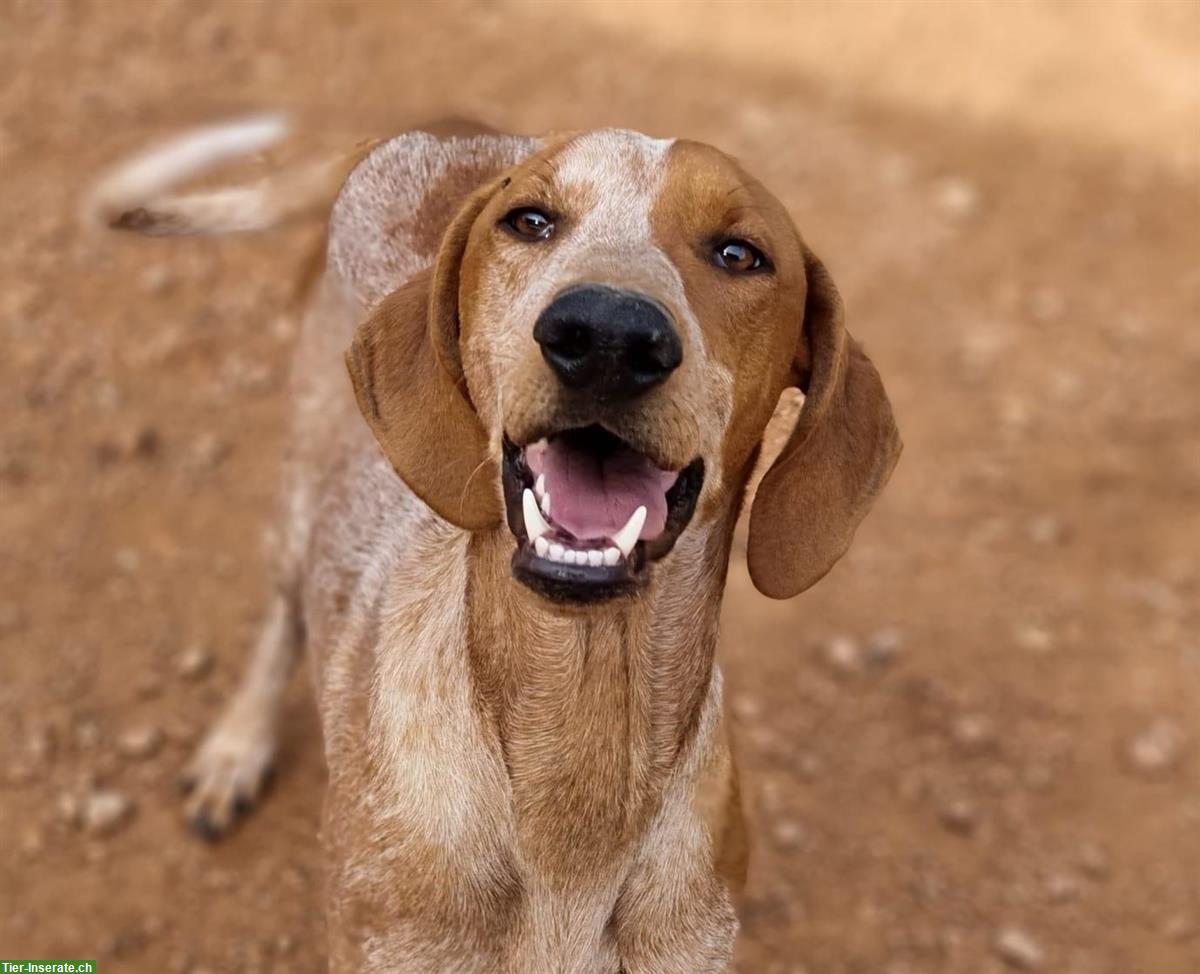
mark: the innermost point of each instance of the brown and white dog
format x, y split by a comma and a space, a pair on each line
568, 349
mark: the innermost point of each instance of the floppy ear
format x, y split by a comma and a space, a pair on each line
408, 379
836, 460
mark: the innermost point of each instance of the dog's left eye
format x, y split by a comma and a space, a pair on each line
739, 256
530, 223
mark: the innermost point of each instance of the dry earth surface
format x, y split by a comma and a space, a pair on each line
974, 748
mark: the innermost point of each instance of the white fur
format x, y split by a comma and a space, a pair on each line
137, 182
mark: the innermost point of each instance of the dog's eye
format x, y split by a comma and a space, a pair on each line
530, 223
738, 256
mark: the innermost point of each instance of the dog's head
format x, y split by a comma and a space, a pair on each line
594, 354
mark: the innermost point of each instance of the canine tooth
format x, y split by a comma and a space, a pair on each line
539, 485
627, 537
556, 552
535, 526
546, 504
595, 558
541, 546
612, 556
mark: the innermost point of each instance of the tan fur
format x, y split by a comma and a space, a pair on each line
516, 787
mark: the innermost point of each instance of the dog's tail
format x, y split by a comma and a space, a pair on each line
136, 194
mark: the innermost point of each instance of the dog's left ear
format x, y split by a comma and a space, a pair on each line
408, 379
836, 460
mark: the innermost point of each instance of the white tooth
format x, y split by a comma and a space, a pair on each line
539, 486
541, 546
535, 527
546, 504
627, 537
556, 552
568, 556
612, 556
595, 558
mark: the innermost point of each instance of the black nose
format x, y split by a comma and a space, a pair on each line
611, 343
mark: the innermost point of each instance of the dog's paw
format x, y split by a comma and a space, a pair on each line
226, 776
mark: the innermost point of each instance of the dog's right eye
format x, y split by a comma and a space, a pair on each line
739, 257
529, 223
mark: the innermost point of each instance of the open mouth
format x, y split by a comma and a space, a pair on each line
590, 513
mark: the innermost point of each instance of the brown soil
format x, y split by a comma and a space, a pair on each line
975, 746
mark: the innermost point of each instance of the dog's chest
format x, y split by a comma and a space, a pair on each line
450, 853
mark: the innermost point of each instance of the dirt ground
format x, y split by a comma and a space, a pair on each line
974, 748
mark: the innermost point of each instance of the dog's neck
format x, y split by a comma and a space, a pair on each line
593, 708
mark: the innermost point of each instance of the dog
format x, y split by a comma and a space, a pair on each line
531, 383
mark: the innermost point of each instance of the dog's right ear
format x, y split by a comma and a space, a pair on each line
408, 379
836, 461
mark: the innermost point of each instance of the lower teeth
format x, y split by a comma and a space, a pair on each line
594, 557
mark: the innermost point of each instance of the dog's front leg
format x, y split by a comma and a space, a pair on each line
228, 770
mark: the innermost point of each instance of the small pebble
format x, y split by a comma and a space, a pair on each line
1063, 886
135, 442
1038, 777
40, 745
746, 707
148, 685
194, 663
788, 833
841, 654
127, 560
1155, 751
1094, 860
1018, 949
1033, 638
972, 733
68, 807
107, 395
207, 453
957, 197
1045, 530
883, 646
283, 328
103, 812
139, 742
959, 816
157, 279
808, 766
1180, 927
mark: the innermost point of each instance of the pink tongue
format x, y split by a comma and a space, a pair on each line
593, 496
